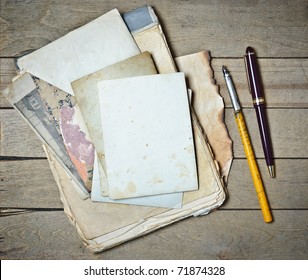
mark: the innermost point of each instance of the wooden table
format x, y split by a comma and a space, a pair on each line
32, 222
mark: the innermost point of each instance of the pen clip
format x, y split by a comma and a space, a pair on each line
247, 73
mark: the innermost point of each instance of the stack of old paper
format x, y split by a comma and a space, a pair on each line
123, 130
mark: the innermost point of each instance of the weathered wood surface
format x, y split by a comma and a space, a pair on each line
17, 139
32, 222
275, 28
287, 130
29, 184
221, 235
285, 80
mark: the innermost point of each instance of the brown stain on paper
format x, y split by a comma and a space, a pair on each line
131, 187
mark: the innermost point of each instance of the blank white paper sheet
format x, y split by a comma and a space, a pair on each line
147, 132
100, 43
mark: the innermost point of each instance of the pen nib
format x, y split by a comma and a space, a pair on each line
224, 70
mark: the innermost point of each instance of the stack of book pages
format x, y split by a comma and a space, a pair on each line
135, 138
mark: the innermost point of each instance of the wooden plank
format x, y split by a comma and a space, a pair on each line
284, 80
17, 138
7, 72
287, 191
288, 129
275, 28
29, 184
220, 235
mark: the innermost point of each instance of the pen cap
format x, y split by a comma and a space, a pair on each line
253, 74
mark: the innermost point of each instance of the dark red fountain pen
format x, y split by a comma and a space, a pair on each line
255, 85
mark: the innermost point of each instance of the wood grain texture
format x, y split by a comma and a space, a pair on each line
17, 138
285, 81
287, 191
274, 28
32, 222
7, 72
220, 235
288, 132
30, 184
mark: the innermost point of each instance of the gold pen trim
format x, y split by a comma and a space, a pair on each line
258, 101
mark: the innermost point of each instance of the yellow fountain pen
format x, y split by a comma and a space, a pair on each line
254, 170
